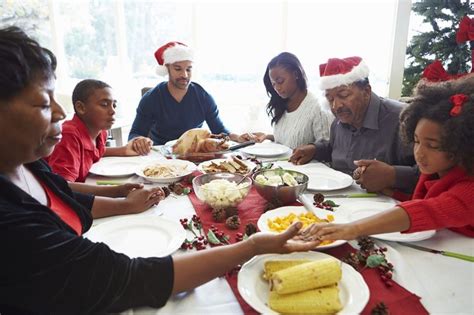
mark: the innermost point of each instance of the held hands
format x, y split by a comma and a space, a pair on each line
141, 199
125, 189
285, 242
303, 154
374, 175
140, 145
249, 136
259, 136
329, 232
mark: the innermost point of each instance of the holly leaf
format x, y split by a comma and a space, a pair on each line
226, 239
186, 191
330, 203
374, 261
245, 237
212, 238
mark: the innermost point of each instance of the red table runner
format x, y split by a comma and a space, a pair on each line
396, 298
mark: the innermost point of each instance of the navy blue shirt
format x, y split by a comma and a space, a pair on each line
161, 118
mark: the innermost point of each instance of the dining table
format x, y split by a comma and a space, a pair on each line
444, 284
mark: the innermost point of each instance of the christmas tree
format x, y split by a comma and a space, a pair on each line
443, 17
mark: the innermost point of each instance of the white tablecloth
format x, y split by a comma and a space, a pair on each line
445, 285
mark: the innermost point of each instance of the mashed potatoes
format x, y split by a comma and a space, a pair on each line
221, 193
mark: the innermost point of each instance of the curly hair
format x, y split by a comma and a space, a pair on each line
276, 106
432, 101
22, 61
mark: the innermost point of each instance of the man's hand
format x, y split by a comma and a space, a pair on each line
303, 154
285, 242
374, 175
139, 200
141, 145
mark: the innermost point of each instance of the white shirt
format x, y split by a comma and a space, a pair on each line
308, 123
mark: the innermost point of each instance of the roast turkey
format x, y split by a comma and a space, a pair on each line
199, 141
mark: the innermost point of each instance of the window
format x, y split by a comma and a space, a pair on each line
234, 40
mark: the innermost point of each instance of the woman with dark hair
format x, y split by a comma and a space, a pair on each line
47, 266
439, 123
297, 117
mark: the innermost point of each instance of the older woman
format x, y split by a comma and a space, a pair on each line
46, 265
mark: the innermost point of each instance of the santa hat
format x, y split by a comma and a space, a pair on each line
337, 72
170, 53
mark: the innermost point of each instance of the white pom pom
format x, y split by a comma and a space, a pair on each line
162, 71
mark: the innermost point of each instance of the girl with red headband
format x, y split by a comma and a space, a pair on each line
439, 121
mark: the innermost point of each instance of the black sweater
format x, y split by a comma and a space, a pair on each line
46, 268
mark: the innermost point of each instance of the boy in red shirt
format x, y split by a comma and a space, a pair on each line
84, 137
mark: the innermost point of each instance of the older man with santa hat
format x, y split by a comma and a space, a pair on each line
172, 107
364, 137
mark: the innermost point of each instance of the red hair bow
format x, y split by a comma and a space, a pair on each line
465, 32
458, 101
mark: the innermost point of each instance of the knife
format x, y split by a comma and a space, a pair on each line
441, 252
359, 195
240, 145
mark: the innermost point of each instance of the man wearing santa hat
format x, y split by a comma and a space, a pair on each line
364, 136
172, 107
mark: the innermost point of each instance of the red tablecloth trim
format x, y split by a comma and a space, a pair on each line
398, 299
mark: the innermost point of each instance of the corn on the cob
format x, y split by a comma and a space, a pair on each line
324, 300
319, 273
272, 266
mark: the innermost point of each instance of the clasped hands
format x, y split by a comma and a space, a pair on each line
373, 175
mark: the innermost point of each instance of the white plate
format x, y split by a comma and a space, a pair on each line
354, 292
116, 166
361, 209
266, 149
284, 211
189, 168
250, 164
322, 178
140, 236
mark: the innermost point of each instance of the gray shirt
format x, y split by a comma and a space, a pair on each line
378, 138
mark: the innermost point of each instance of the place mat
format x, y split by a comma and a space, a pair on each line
396, 298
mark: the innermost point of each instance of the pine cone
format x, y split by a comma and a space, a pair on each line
233, 222
250, 229
366, 244
166, 190
176, 188
218, 215
318, 197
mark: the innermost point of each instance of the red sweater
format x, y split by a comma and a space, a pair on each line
447, 202
73, 157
